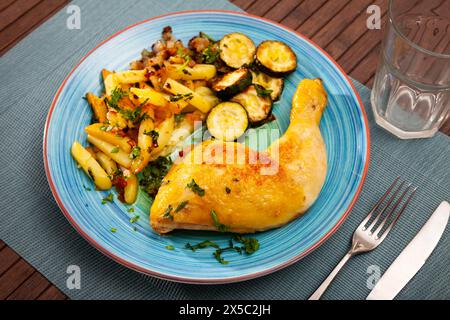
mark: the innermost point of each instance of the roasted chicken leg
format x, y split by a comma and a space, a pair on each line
207, 189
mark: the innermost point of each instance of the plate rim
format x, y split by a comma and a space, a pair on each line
164, 276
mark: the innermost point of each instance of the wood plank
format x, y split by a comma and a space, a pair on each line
367, 67
340, 21
5, 4
52, 293
282, 9
7, 259
15, 11
349, 59
369, 83
260, 8
301, 13
345, 40
14, 277
28, 22
321, 17
31, 289
243, 4
446, 127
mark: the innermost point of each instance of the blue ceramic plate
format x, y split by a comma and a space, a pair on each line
344, 128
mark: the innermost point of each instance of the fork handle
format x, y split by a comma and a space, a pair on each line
319, 292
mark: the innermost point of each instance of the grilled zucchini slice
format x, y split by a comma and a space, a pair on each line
237, 50
275, 58
232, 83
256, 102
227, 121
270, 83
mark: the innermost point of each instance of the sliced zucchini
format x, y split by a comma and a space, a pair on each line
227, 121
257, 103
275, 58
270, 83
232, 83
237, 50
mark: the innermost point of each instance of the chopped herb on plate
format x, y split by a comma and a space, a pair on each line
202, 245
167, 213
250, 244
134, 219
108, 198
153, 175
196, 188
220, 227
135, 152
181, 206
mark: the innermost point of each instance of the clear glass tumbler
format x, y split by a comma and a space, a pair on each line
411, 91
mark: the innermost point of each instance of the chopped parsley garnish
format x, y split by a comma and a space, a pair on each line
170, 247
179, 117
202, 245
86, 188
115, 150
227, 190
250, 244
185, 56
154, 135
131, 210
219, 226
181, 206
167, 213
210, 55
178, 97
108, 198
134, 115
196, 188
113, 230
116, 95
153, 175
204, 35
261, 92
134, 219
218, 253
135, 152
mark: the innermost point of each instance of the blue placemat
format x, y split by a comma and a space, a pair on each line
31, 223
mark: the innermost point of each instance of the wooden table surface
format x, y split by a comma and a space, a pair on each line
338, 26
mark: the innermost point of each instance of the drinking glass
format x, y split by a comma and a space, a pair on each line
411, 91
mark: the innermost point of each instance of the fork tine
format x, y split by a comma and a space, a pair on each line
394, 222
389, 214
388, 203
377, 205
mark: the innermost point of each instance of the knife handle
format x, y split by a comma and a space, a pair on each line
319, 292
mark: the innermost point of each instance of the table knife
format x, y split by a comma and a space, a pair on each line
413, 257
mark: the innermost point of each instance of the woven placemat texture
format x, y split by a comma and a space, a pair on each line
32, 224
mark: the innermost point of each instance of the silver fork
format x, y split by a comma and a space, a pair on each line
367, 238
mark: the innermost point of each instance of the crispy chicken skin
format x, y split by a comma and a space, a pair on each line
249, 195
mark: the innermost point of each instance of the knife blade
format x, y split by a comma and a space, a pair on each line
413, 257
